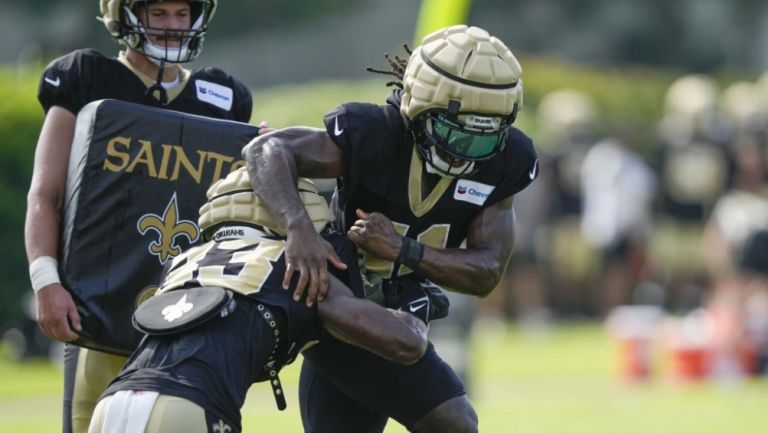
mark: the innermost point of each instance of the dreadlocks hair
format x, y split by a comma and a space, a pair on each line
397, 64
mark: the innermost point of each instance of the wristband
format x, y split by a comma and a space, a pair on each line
411, 253
43, 271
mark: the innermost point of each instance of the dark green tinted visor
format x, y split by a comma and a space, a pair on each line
474, 143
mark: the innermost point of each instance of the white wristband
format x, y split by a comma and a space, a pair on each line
43, 271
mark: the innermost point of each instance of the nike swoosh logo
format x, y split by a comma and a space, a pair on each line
532, 173
415, 308
336, 129
54, 83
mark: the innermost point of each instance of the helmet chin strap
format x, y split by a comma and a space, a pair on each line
158, 86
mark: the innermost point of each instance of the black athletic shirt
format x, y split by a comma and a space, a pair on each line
85, 75
380, 174
215, 363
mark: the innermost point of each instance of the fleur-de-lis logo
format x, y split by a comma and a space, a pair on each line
145, 294
168, 227
221, 427
174, 311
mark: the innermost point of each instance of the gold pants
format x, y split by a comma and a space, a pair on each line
167, 415
95, 370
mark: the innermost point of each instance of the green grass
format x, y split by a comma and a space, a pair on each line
560, 381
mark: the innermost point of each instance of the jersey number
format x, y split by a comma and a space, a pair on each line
240, 265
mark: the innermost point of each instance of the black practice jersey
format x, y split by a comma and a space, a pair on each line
214, 363
384, 173
84, 76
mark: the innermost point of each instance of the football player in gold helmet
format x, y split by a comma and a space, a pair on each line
436, 166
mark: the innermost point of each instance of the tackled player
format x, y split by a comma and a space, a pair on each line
187, 377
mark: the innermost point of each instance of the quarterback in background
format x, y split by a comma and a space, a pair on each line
157, 37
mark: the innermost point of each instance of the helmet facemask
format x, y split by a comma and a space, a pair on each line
455, 144
126, 22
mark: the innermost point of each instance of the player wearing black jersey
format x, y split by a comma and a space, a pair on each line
436, 166
195, 379
157, 36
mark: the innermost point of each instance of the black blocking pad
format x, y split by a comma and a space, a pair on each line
137, 178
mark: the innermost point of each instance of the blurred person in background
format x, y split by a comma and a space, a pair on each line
694, 167
157, 37
617, 219
734, 234
743, 208
437, 166
547, 215
753, 264
550, 212
737, 313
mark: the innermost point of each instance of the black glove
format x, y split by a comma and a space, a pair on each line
423, 299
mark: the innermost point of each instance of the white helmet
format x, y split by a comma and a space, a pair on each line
231, 201
121, 20
461, 91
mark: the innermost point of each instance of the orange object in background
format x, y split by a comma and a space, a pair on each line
691, 363
635, 359
635, 329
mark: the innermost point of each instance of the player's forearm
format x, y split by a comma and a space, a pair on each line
394, 335
276, 160
41, 227
273, 175
46, 195
471, 272
478, 269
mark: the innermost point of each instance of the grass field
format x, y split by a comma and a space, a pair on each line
561, 381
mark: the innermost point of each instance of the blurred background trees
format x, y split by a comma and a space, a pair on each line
274, 41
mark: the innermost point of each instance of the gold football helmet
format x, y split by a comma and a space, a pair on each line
461, 92
232, 201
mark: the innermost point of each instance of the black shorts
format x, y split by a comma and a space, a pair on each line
344, 388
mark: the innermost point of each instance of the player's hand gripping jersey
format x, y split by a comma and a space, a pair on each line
375, 144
